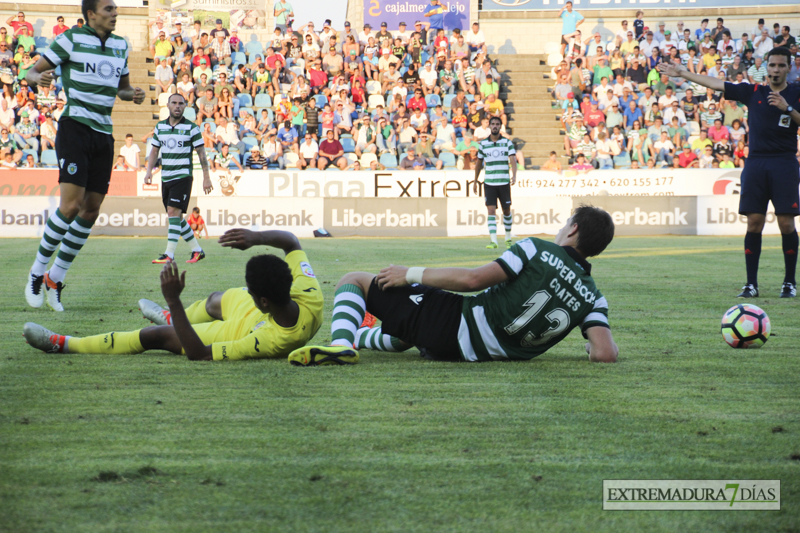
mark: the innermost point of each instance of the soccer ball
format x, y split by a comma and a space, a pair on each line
745, 326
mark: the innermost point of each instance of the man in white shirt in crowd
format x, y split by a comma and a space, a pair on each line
309, 151
186, 89
164, 78
429, 77
762, 44
130, 152
402, 33
6, 114
482, 132
476, 40
445, 136
674, 110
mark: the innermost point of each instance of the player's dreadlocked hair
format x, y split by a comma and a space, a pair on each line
269, 277
596, 229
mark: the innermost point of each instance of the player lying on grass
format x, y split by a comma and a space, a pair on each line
278, 311
538, 291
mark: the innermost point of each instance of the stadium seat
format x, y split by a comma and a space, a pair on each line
447, 159
263, 100
470, 97
232, 165
348, 144
321, 99
373, 87
351, 158
249, 142
254, 48
49, 159
163, 98
298, 70
238, 58
692, 128
190, 114
245, 100
31, 152
374, 101
554, 59
447, 103
423, 57
291, 159
248, 110
622, 160
367, 158
432, 100
552, 47
163, 113
389, 160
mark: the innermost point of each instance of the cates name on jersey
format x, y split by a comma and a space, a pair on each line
568, 275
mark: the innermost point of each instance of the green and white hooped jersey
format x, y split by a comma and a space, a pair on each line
547, 295
495, 156
177, 144
90, 72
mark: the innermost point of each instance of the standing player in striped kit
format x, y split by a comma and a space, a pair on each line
94, 71
497, 155
176, 137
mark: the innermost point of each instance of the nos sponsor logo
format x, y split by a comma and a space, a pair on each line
104, 69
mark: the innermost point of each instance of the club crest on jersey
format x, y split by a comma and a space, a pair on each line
118, 53
307, 270
259, 325
72, 169
785, 121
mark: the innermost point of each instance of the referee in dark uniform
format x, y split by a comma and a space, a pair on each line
771, 172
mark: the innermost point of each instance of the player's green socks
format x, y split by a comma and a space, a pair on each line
492, 228
374, 339
173, 234
116, 342
54, 231
197, 314
349, 309
188, 236
507, 221
71, 245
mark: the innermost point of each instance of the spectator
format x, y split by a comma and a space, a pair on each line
581, 166
27, 133
18, 22
221, 50
208, 106
687, 158
162, 48
186, 89
130, 152
758, 72
282, 11
202, 70
256, 161
224, 159
366, 138
164, 78
11, 150
273, 150
570, 20
762, 44
707, 158
308, 152
663, 150
701, 143
242, 79
411, 161
121, 164
48, 132
331, 153
638, 142
604, 148
6, 114
227, 133
552, 164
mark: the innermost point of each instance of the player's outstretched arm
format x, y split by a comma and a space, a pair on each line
129, 93
678, 70
172, 285
601, 346
41, 73
242, 239
451, 279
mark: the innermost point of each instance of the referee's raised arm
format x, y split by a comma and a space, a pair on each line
678, 70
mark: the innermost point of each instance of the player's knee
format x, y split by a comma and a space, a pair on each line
786, 224
359, 279
160, 338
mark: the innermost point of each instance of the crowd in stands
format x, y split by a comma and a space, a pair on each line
618, 111
317, 98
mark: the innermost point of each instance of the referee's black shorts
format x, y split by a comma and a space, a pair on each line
85, 156
497, 192
177, 193
766, 179
425, 317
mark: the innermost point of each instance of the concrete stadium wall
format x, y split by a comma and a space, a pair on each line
527, 32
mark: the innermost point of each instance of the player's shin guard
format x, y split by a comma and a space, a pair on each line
71, 245
752, 253
54, 231
173, 235
349, 308
374, 339
197, 314
507, 221
790, 245
492, 228
188, 236
116, 342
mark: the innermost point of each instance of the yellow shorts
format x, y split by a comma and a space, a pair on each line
239, 316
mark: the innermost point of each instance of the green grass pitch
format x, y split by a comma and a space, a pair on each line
154, 443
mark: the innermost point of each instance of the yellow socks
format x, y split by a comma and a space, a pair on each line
116, 342
197, 314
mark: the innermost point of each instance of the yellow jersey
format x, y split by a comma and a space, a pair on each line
247, 333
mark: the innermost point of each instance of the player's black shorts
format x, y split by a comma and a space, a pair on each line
177, 193
85, 156
420, 315
770, 178
497, 192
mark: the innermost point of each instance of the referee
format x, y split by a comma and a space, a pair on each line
497, 155
771, 172
94, 71
176, 137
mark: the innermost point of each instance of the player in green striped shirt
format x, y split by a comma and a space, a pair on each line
529, 300
496, 155
174, 140
94, 71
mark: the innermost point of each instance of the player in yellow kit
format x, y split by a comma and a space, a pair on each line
278, 311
